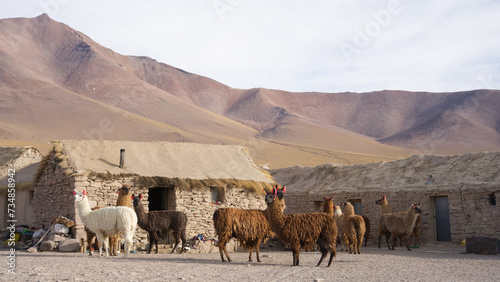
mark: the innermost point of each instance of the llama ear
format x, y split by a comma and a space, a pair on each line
284, 189
132, 197
140, 196
84, 192
74, 192
331, 198
117, 191
384, 197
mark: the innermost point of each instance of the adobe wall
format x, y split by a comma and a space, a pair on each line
470, 208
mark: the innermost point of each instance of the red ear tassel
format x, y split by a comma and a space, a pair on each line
132, 197
84, 192
118, 191
384, 197
284, 189
74, 192
141, 196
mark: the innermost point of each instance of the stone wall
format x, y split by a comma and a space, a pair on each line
197, 205
471, 210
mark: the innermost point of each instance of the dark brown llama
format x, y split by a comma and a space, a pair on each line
159, 223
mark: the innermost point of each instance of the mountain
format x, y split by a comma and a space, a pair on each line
57, 83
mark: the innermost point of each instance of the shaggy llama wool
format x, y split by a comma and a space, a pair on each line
301, 230
249, 227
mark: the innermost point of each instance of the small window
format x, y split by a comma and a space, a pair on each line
217, 195
31, 195
318, 205
358, 206
493, 199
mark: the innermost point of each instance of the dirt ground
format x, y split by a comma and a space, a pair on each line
431, 262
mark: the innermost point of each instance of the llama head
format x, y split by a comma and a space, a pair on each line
79, 196
124, 190
137, 199
348, 208
416, 208
381, 200
276, 194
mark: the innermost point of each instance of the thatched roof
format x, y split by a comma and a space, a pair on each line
163, 162
411, 173
24, 160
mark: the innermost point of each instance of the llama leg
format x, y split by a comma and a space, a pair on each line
177, 241
128, 242
387, 236
183, 239
100, 238
296, 252
394, 241
222, 250
250, 253
324, 252
150, 242
333, 253
257, 250
407, 241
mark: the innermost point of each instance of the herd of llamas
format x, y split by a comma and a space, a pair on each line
335, 225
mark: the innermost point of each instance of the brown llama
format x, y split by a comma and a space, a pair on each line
90, 236
353, 229
124, 200
417, 231
249, 227
401, 227
301, 230
328, 206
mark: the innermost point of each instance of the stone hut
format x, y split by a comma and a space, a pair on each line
192, 178
18, 166
458, 193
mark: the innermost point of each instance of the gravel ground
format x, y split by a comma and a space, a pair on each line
431, 262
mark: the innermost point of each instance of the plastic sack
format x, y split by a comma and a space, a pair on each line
60, 228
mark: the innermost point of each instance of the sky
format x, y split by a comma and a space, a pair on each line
299, 46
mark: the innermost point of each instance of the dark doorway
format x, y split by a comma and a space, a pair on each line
161, 199
358, 206
443, 232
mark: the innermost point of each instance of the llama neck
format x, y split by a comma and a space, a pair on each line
123, 200
328, 207
338, 211
384, 205
83, 208
410, 218
276, 218
142, 216
349, 210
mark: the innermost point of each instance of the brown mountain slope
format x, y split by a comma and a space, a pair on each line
398, 118
57, 83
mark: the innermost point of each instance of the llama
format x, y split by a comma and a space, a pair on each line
328, 205
301, 230
159, 223
338, 219
249, 227
401, 227
91, 235
107, 222
384, 206
353, 229
367, 228
124, 200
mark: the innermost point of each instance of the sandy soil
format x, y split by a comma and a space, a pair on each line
432, 262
